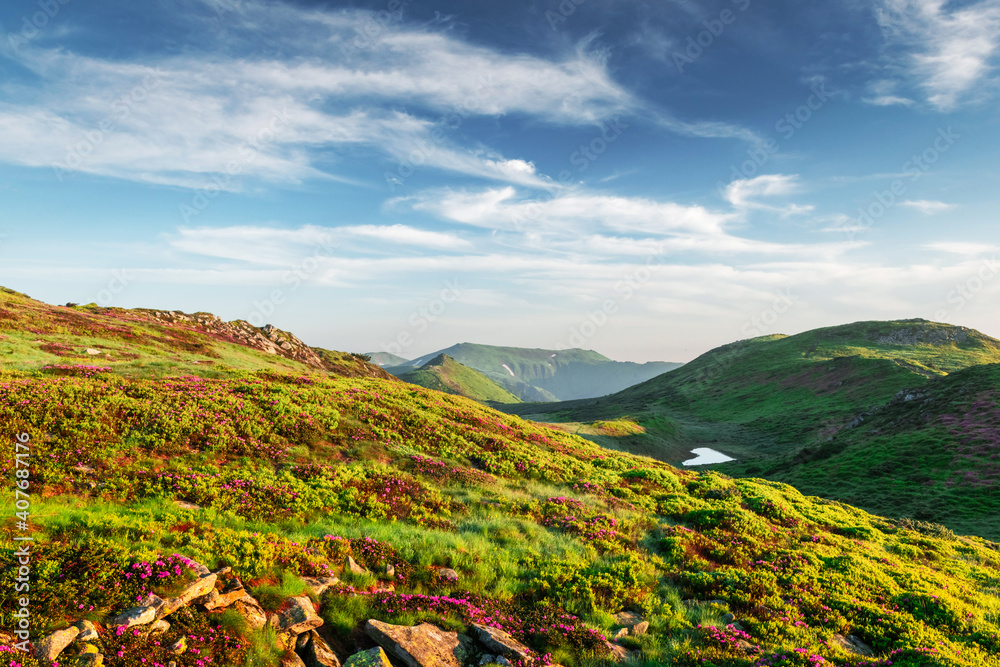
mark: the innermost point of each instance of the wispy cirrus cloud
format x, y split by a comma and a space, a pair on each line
946, 49
927, 207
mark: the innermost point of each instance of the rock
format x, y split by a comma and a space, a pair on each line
499, 641
184, 505
350, 565
447, 574
488, 659
297, 615
639, 628
292, 659
199, 587
90, 660
319, 585
87, 631
223, 571
49, 648
852, 644
158, 628
178, 646
251, 611
390, 570
134, 616
618, 653
728, 618
198, 568
315, 652
92, 352
621, 634
375, 657
627, 618
210, 600
424, 645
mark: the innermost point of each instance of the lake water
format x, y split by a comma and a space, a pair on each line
704, 455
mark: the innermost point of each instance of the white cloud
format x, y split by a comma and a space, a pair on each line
966, 249
404, 235
927, 207
948, 49
744, 194
198, 115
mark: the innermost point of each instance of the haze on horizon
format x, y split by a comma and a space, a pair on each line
645, 181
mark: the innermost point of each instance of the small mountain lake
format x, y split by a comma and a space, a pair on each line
705, 455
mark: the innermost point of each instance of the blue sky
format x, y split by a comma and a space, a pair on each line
647, 179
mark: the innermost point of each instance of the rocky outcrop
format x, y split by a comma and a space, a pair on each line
852, 644
49, 648
296, 616
375, 657
315, 652
500, 642
424, 645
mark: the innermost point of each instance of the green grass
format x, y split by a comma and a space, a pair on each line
445, 374
294, 473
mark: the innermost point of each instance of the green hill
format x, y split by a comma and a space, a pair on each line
143, 342
763, 400
548, 375
337, 501
931, 453
386, 359
445, 374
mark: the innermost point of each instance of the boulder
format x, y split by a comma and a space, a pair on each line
350, 565
424, 645
88, 632
232, 592
296, 615
627, 618
639, 628
251, 611
621, 634
49, 648
375, 657
447, 574
315, 652
159, 627
178, 646
134, 616
852, 644
198, 588
500, 642
319, 585
618, 653
291, 659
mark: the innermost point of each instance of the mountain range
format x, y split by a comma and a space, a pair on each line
535, 375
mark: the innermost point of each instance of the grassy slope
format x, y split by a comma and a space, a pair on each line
34, 335
763, 400
445, 374
932, 455
538, 524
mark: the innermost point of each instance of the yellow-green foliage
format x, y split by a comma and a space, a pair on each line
549, 533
